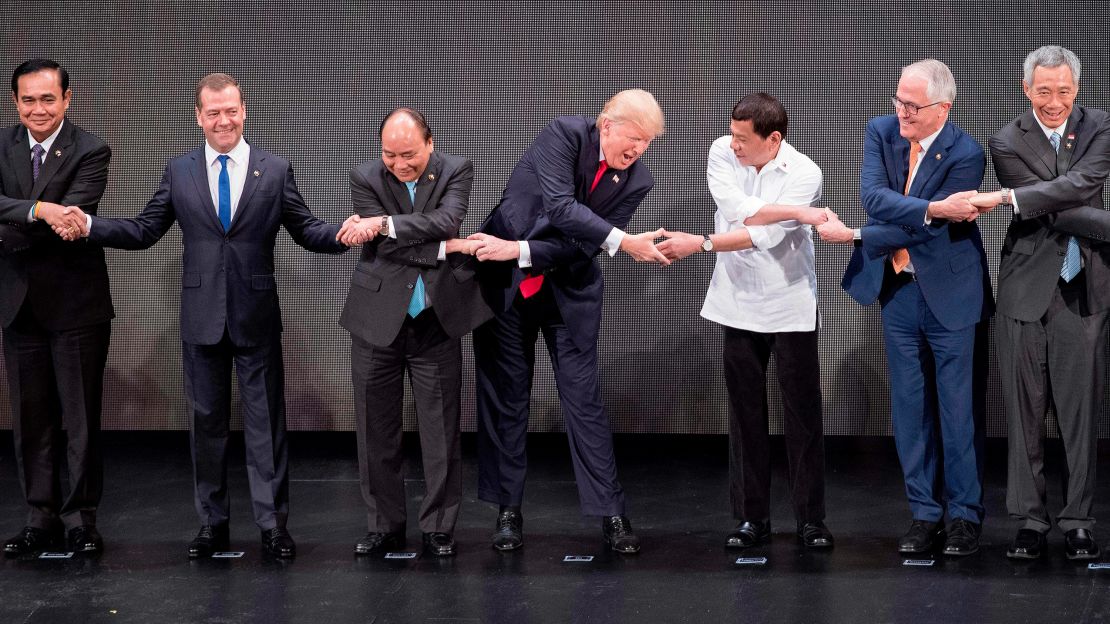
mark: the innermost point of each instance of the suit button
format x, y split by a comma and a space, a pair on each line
409, 286
1059, 253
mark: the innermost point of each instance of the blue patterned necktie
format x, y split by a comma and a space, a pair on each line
224, 193
36, 161
1072, 259
416, 304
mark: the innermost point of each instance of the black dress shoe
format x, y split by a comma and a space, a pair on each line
921, 538
510, 529
617, 532
86, 539
1080, 544
210, 539
1027, 544
439, 544
377, 542
963, 538
279, 543
815, 535
748, 534
30, 540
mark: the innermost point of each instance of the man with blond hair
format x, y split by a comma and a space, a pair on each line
569, 197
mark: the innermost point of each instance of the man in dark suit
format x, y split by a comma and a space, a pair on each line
1053, 296
920, 255
413, 296
230, 199
56, 311
569, 196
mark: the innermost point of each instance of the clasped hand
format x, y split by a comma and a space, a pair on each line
68, 222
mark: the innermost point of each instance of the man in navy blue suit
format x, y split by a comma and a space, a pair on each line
570, 196
920, 255
230, 199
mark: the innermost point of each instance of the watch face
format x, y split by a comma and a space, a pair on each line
707, 245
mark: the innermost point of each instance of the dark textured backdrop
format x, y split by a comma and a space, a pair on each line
319, 76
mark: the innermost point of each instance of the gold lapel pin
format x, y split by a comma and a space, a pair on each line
1068, 146
58, 153
431, 176
616, 178
257, 173
938, 156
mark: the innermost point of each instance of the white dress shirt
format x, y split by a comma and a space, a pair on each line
771, 287
926, 143
237, 165
46, 144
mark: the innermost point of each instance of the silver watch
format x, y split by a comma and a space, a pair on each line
707, 245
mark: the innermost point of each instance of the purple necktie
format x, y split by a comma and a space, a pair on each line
36, 160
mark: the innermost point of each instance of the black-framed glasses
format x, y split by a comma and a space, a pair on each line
911, 109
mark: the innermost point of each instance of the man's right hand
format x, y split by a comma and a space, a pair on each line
642, 247
955, 207
69, 223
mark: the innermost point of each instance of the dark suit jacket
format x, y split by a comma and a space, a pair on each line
65, 284
1057, 194
382, 283
948, 258
227, 278
548, 203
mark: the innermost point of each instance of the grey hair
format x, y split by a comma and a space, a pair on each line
942, 86
1051, 56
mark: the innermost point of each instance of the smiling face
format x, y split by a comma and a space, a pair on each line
914, 90
405, 151
41, 103
751, 149
1052, 94
221, 114
623, 143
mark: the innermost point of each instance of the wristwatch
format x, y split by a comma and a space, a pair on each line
707, 245
384, 231
1007, 196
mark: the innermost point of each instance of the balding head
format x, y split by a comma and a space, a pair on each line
406, 143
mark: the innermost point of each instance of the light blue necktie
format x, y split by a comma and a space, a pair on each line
224, 193
416, 304
1072, 260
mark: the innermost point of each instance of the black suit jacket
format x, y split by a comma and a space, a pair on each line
1058, 194
65, 284
382, 283
547, 202
227, 278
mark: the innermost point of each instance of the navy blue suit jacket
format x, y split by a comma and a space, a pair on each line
227, 279
547, 202
948, 258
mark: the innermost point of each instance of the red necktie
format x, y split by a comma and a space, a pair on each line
531, 285
901, 257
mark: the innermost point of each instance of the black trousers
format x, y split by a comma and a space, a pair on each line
434, 363
55, 381
746, 356
260, 372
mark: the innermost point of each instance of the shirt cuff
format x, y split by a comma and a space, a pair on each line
392, 232
1014, 202
88, 223
857, 234
525, 259
31, 213
442, 251
612, 242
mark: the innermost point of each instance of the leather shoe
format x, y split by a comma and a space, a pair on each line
439, 544
921, 538
617, 532
1027, 544
1080, 544
279, 543
210, 539
509, 534
815, 535
963, 538
748, 534
377, 542
30, 540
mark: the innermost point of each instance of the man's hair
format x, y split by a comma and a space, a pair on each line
37, 65
217, 82
941, 85
764, 111
1050, 56
416, 116
636, 106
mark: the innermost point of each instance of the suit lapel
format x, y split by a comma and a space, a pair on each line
204, 192
932, 159
1068, 141
400, 192
427, 183
52, 162
609, 186
900, 151
588, 160
19, 155
256, 164
1037, 143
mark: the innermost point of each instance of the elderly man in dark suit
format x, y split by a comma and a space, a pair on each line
1053, 296
413, 296
230, 199
55, 308
569, 197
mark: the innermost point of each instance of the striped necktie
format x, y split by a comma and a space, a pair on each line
1072, 260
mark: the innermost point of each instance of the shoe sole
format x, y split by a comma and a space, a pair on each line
1084, 557
960, 553
618, 550
1022, 556
507, 547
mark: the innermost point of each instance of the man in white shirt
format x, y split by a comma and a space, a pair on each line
764, 293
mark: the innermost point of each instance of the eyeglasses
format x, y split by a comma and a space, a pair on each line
911, 109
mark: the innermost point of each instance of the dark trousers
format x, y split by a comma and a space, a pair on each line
504, 355
746, 356
55, 381
434, 363
262, 391
1058, 359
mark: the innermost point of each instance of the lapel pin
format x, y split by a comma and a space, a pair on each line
1071, 136
616, 178
257, 173
57, 153
1068, 146
431, 176
938, 156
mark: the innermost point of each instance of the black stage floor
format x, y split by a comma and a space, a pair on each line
678, 502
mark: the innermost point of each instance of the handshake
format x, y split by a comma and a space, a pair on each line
68, 222
962, 206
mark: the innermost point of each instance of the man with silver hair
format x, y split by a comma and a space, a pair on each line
920, 255
1053, 296
569, 197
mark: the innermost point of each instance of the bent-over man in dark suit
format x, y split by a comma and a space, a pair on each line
230, 199
413, 296
570, 196
56, 311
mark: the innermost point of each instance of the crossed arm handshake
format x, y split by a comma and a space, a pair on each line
961, 206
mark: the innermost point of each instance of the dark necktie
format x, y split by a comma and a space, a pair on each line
224, 193
36, 160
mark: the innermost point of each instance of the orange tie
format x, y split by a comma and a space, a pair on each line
901, 257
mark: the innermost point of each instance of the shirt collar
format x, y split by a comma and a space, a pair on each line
600, 153
48, 141
1048, 131
783, 158
927, 142
238, 154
